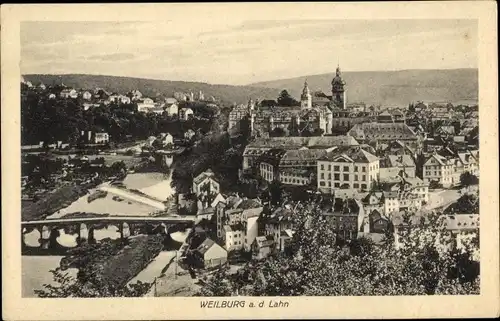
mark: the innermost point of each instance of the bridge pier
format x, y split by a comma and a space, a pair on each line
124, 230
45, 237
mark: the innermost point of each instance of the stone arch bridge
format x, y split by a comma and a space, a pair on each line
84, 227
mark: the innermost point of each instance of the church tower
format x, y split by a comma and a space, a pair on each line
338, 90
305, 98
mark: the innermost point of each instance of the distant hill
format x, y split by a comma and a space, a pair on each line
152, 88
393, 88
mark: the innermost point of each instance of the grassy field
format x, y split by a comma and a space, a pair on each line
55, 201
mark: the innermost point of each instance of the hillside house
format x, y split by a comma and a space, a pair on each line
263, 246
86, 95
171, 109
69, 93
186, 113
145, 105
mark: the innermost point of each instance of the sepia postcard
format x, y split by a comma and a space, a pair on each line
250, 161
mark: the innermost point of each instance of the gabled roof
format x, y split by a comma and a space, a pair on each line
400, 161
206, 174
354, 154
384, 131
205, 246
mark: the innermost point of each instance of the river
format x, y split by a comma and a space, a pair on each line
36, 269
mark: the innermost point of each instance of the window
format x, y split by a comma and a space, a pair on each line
364, 178
322, 167
346, 177
321, 183
356, 168
336, 168
355, 177
356, 185
337, 184
363, 169
329, 176
329, 167
336, 176
346, 168
322, 176
363, 186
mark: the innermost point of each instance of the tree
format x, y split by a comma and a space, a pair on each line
285, 99
275, 192
467, 179
268, 103
218, 285
66, 286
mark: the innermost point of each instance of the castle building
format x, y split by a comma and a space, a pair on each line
314, 114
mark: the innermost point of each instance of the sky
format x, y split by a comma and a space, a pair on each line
239, 51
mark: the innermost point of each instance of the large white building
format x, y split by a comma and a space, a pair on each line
349, 168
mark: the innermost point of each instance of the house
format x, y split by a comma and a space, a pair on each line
69, 93
188, 134
52, 96
381, 201
237, 222
412, 192
171, 109
123, 99
209, 254
186, 113
42, 86
279, 225
439, 169
101, 138
263, 246
205, 185
86, 95
375, 223
351, 167
234, 236
145, 105
135, 95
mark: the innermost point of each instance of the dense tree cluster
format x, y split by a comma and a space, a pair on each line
285, 99
104, 269
52, 120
